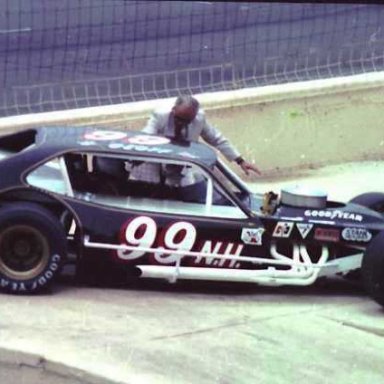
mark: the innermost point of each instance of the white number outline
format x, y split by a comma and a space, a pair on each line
167, 241
130, 230
179, 236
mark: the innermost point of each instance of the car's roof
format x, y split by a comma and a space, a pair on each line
101, 139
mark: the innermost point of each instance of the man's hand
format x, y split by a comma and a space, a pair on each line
246, 167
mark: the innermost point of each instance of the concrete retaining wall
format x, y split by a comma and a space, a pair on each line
282, 128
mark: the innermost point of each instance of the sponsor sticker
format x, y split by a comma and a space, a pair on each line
119, 140
304, 229
333, 214
105, 135
283, 229
148, 140
252, 236
139, 148
187, 154
327, 234
356, 234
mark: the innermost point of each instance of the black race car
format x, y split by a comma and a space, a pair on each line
136, 205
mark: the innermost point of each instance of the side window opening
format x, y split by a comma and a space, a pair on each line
152, 185
76, 164
156, 185
111, 172
97, 174
49, 176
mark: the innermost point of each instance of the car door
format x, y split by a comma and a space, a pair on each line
128, 213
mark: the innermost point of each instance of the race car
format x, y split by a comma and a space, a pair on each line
145, 206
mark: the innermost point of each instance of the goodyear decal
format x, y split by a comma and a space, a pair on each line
334, 214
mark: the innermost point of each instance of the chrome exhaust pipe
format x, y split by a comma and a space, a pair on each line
269, 276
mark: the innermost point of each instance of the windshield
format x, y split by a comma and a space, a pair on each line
232, 182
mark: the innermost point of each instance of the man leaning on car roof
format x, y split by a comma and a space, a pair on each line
187, 121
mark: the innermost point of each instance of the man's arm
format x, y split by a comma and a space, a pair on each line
215, 138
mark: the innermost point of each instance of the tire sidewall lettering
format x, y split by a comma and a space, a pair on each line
39, 281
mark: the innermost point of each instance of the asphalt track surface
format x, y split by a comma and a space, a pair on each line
61, 41
154, 332
71, 54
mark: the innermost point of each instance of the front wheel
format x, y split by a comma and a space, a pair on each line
32, 248
371, 200
372, 269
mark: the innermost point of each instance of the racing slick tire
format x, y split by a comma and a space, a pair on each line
372, 269
33, 246
372, 200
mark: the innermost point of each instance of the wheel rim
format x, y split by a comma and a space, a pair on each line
24, 252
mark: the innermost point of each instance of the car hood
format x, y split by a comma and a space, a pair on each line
342, 213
